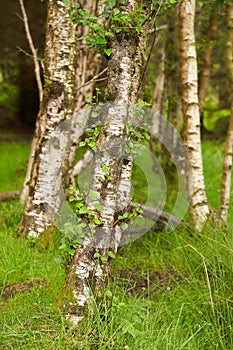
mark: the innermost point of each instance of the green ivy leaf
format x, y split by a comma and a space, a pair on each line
97, 221
83, 210
88, 105
127, 149
94, 114
103, 259
108, 52
111, 254
101, 41
93, 195
110, 34
124, 226
116, 12
105, 169
98, 206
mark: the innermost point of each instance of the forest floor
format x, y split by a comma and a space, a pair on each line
168, 291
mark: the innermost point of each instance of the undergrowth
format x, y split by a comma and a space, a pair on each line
168, 291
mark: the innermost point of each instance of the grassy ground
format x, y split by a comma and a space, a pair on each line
168, 291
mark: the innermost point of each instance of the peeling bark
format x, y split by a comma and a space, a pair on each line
124, 71
88, 63
198, 208
228, 149
52, 142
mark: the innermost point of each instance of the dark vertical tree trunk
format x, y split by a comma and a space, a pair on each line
205, 69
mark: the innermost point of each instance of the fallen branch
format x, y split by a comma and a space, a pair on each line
9, 195
155, 214
17, 288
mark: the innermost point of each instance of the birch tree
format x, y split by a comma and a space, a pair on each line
50, 162
88, 64
113, 194
198, 208
205, 68
87, 73
227, 165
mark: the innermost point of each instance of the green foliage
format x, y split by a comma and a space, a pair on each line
9, 96
114, 12
213, 116
91, 138
128, 216
86, 222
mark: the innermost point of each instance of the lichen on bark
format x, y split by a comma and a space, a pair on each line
198, 208
87, 275
52, 138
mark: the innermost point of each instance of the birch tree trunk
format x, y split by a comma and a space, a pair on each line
88, 63
158, 104
113, 194
49, 166
227, 163
204, 75
198, 208
88, 67
173, 82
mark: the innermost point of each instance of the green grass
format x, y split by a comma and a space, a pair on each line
13, 165
169, 291
213, 164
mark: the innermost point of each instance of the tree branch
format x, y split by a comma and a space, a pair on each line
7, 196
94, 79
155, 214
33, 49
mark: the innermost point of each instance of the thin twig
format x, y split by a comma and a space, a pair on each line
24, 52
33, 49
94, 79
155, 40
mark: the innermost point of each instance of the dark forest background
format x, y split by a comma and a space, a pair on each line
19, 101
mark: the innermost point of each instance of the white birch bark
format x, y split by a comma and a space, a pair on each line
228, 149
88, 63
124, 71
198, 208
49, 173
